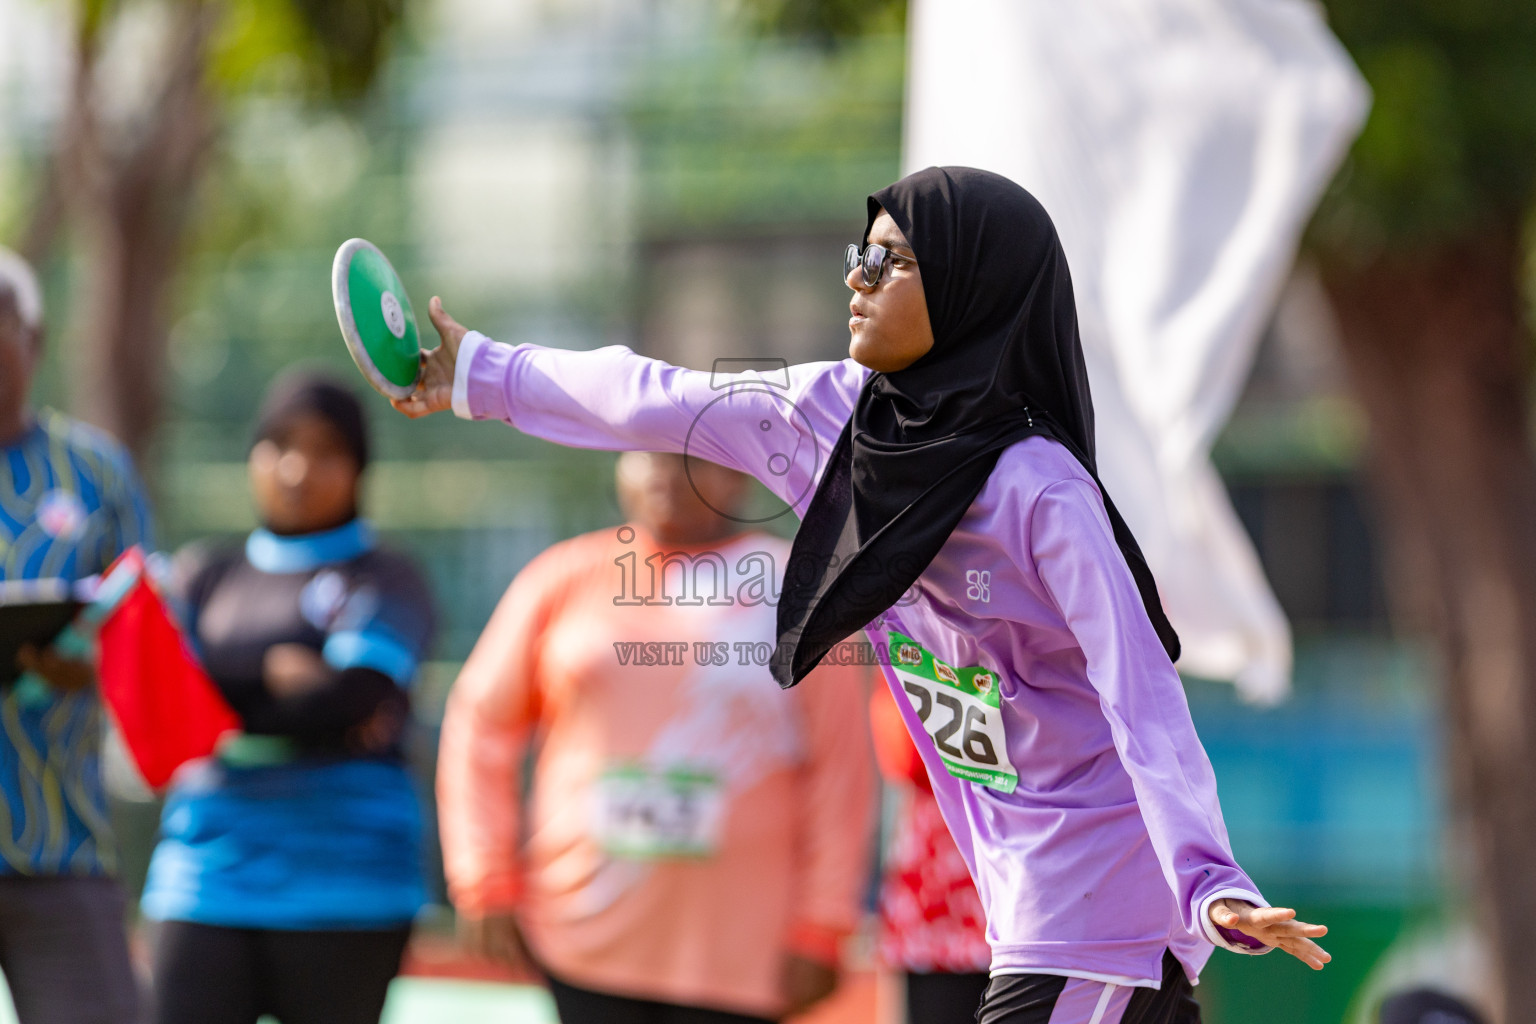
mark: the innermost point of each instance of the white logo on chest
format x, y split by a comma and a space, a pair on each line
61, 514
322, 598
978, 585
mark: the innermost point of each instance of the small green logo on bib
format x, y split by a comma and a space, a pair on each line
961, 710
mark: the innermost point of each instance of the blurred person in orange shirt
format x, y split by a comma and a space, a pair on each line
933, 928
694, 842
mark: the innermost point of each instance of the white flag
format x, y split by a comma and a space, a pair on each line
1180, 146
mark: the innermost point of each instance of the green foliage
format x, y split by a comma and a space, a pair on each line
351, 38
94, 15
825, 21
764, 132
1450, 147
329, 49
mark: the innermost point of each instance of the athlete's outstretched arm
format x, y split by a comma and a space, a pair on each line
776, 426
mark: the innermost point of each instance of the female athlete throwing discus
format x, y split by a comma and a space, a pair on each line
951, 509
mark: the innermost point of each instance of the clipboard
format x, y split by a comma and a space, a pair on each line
32, 612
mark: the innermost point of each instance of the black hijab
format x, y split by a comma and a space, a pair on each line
1006, 364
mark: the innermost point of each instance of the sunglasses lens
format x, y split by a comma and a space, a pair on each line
874, 259
850, 260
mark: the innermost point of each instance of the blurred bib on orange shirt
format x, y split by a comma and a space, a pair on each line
645, 813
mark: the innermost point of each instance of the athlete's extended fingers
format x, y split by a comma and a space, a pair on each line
415, 407
1275, 933
408, 406
1307, 951
1283, 929
1237, 915
1298, 929
1268, 917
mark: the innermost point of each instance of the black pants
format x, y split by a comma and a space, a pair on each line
944, 998
1050, 999
210, 975
583, 1006
64, 950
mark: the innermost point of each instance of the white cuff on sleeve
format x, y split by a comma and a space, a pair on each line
1214, 934
468, 349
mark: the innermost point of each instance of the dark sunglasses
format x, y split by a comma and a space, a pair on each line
872, 261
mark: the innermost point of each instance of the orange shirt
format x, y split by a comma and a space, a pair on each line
688, 822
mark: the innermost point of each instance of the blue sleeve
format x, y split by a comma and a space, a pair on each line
386, 622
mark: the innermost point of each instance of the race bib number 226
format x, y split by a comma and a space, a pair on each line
960, 709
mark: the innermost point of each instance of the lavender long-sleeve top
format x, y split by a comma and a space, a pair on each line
1104, 845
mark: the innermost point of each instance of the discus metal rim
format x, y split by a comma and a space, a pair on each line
341, 269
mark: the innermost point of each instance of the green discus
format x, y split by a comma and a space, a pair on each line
376, 318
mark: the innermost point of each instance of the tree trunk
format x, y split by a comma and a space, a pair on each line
1437, 354
128, 201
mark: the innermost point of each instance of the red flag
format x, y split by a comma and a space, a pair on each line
166, 707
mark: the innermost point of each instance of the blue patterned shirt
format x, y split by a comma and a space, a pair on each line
70, 502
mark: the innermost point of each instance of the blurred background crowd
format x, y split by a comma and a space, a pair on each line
682, 177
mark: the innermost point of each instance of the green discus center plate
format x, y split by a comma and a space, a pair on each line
376, 318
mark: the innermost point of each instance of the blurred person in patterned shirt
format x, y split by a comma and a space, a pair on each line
70, 503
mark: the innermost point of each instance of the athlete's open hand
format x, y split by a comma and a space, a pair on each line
63, 673
1273, 926
435, 391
